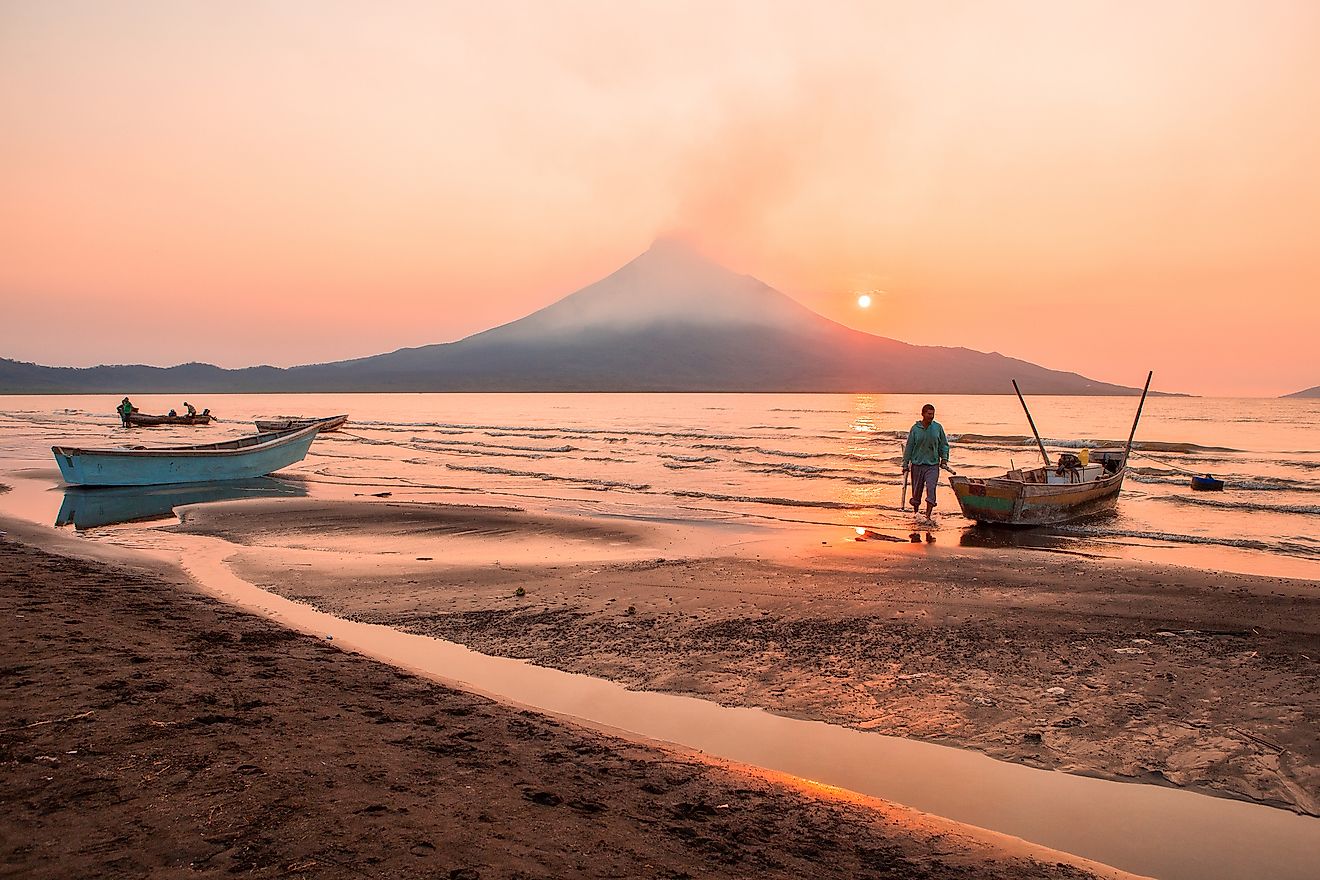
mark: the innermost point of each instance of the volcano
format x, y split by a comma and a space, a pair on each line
669, 320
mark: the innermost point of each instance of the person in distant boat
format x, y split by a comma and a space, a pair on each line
125, 409
192, 410
926, 452
173, 414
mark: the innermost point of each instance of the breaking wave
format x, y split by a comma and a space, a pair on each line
1285, 547
1250, 484
787, 409
812, 472
789, 453
733, 447
1202, 501
564, 448
538, 475
1072, 443
781, 502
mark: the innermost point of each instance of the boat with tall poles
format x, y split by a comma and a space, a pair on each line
1074, 486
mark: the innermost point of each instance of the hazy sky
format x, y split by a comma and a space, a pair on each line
1100, 187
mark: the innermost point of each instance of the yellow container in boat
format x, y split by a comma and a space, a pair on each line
1084, 456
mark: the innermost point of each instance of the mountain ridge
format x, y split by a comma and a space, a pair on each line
669, 320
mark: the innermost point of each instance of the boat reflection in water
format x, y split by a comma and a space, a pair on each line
85, 508
1040, 538
998, 538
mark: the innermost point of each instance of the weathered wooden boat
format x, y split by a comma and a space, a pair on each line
1061, 492
288, 423
93, 507
142, 420
1074, 487
1207, 484
239, 459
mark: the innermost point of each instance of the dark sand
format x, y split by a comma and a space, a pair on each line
1133, 671
148, 730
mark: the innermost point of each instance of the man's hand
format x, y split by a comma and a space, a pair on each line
905, 467
944, 463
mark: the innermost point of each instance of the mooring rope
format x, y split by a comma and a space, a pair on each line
401, 444
1167, 464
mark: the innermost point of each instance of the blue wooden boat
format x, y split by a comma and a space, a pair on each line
240, 459
1207, 484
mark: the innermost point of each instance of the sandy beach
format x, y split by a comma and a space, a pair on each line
1123, 670
151, 730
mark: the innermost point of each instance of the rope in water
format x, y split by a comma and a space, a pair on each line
1135, 454
400, 444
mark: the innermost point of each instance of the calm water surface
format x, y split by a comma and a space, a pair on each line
821, 459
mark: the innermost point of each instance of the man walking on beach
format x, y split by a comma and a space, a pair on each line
926, 452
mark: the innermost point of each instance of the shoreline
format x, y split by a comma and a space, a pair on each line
1136, 672
195, 758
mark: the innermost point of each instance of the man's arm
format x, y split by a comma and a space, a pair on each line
944, 447
907, 450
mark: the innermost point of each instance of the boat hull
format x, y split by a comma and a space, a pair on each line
332, 423
138, 420
234, 460
1015, 503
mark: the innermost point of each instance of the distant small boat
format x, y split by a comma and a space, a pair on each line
240, 459
142, 420
288, 423
1207, 484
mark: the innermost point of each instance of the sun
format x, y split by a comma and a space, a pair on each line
864, 301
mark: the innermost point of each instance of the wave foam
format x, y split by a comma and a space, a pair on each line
1202, 501
539, 475
1283, 547
808, 471
781, 502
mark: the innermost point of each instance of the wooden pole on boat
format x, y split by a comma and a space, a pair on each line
1128, 450
1032, 422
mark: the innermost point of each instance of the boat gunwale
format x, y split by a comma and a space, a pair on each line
276, 440
1024, 489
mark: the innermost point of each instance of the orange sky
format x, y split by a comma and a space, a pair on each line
1101, 187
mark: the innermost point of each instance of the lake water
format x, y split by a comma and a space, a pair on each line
822, 459
787, 462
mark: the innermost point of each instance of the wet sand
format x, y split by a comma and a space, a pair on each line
1133, 671
151, 730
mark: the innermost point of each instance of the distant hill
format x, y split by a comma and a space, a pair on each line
1308, 392
670, 320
